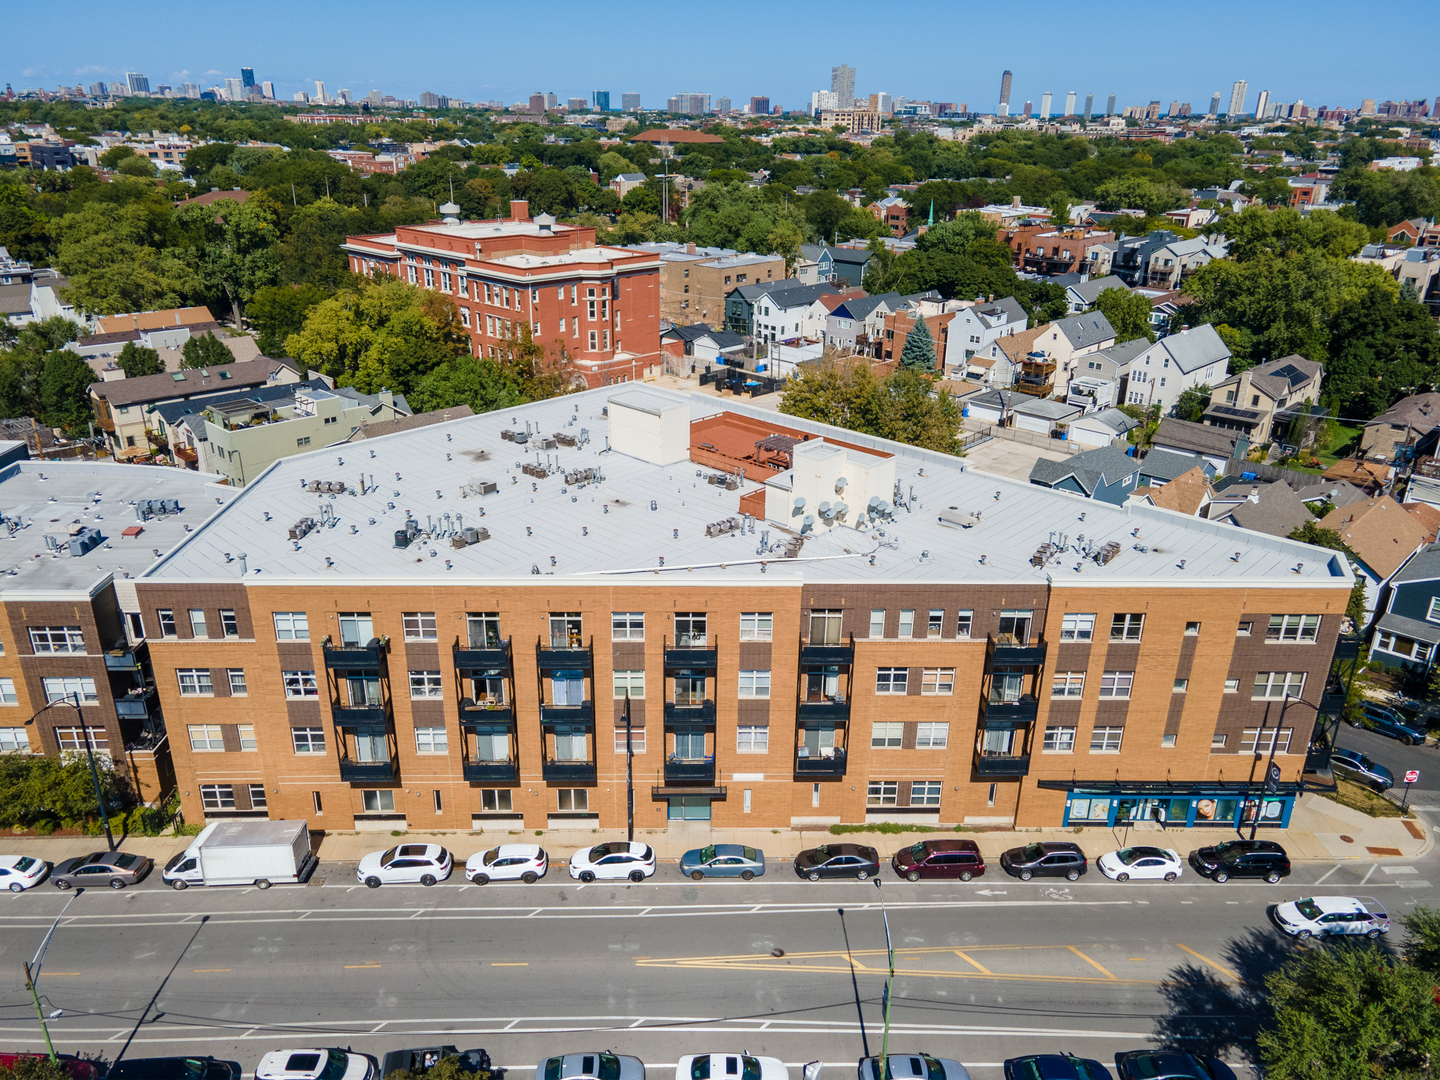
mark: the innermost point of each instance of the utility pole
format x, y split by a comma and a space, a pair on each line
39, 1012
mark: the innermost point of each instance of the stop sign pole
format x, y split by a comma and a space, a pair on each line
1410, 777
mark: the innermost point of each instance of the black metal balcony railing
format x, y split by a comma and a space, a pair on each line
1332, 704
472, 712
681, 655
493, 656
825, 709
559, 714
497, 772
562, 654
827, 654
354, 656
701, 712
367, 772
360, 714
807, 764
575, 772
1001, 764
121, 660
1347, 647
1013, 712
139, 704
688, 771
1012, 653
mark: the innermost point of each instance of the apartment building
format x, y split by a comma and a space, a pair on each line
694, 282
1043, 249
801, 625
595, 307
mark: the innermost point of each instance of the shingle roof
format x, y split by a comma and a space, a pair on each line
1414, 629
1115, 419
754, 292
373, 430
797, 296
1197, 438
1335, 492
14, 299
1001, 312
188, 382
1425, 566
1104, 464
1085, 330
1018, 344
1280, 378
1048, 409
687, 333
1186, 494
1418, 410
1167, 465
1276, 511
1089, 291
1380, 532
1194, 348
172, 412
1122, 354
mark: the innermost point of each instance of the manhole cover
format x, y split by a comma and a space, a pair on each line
1347, 839
777, 952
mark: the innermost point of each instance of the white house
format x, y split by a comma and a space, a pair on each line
975, 328
1196, 356
782, 314
1100, 428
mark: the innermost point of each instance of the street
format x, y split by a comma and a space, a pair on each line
1397, 757
985, 970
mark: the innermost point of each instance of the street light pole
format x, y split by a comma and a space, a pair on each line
32, 973
89, 752
889, 982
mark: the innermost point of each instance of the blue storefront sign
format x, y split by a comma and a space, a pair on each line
1219, 808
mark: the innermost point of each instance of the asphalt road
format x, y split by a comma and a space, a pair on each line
1397, 757
985, 970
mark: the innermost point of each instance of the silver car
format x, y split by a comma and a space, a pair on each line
591, 1066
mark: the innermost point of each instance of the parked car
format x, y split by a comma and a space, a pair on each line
838, 861
1052, 858
508, 862
406, 864
114, 868
322, 1064
1362, 768
1141, 862
939, 859
21, 872
615, 861
1384, 720
1054, 1067
1241, 858
75, 1067
730, 1067
912, 1067
1170, 1065
602, 1066
723, 860
174, 1068
1333, 916
424, 1058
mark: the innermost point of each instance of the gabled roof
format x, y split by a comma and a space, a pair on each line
687, 333
1193, 348
1016, 345
1105, 464
1427, 515
371, 430
1122, 354
1276, 510
1048, 409
1089, 291
863, 307
1000, 312
15, 299
1425, 566
1197, 438
795, 297
1085, 330
1113, 419
1420, 411
1380, 532
1280, 378
188, 382
724, 339
153, 320
1166, 465
1186, 494
1005, 399
1335, 492
759, 289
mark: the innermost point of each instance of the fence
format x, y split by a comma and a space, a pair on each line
1271, 473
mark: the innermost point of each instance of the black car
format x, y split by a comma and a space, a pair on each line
425, 1058
1053, 858
1170, 1065
1384, 720
1054, 1067
838, 861
174, 1068
1241, 858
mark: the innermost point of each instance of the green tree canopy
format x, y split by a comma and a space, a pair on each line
64, 391
919, 351
277, 311
119, 258
847, 393
205, 350
136, 360
1128, 312
232, 249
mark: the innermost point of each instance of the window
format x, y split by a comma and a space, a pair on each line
206, 737
755, 684
963, 621
228, 624
1433, 615
573, 800
937, 681
197, 623
1192, 629
419, 625
378, 802
1067, 684
753, 738
925, 792
1181, 685
689, 629
1060, 739
877, 622
756, 625
14, 740
1278, 684
300, 684
594, 337
291, 626
495, 800
73, 738
1232, 686
236, 677
1294, 627
356, 628
217, 796
1116, 684
631, 682
1126, 627
891, 680
935, 625
308, 740
1217, 741
887, 735
246, 734
167, 622
482, 629
1077, 628
1254, 741
304, 440
7, 692
425, 684
637, 739
932, 736
627, 626
431, 740
1243, 630
71, 688
62, 639
907, 622
882, 793
825, 627
565, 630
1106, 740
257, 796
1167, 742
194, 682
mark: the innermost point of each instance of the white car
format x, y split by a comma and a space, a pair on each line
1333, 916
730, 1067
508, 862
21, 872
912, 1067
331, 1064
1141, 862
615, 861
407, 864
601, 1066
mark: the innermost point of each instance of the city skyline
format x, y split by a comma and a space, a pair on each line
108, 43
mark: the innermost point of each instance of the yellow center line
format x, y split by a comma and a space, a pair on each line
351, 966
976, 965
509, 965
204, 971
1092, 963
1207, 960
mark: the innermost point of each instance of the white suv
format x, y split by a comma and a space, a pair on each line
331, 1064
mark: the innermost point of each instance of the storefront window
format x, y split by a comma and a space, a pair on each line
1089, 810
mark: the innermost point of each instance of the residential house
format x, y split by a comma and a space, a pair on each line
1106, 474
695, 281
788, 313
1215, 445
1404, 423
1045, 416
740, 301
816, 264
893, 212
626, 182
1161, 467
995, 407
46, 300
998, 364
1066, 340
1271, 508
1083, 295
1407, 631
1099, 377
1410, 230
1252, 400
974, 328
1008, 215
1191, 217
1196, 356
1174, 262
857, 324
15, 303
899, 324
180, 424
167, 329
1189, 493
1044, 249
1372, 477
14, 271
842, 265
699, 343
1382, 536
1100, 428
1128, 258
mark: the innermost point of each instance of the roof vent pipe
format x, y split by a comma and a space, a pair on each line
241, 557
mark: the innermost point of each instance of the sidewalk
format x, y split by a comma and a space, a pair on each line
1320, 830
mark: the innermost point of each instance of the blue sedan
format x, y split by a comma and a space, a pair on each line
723, 860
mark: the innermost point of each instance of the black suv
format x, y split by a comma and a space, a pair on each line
1242, 858
1053, 858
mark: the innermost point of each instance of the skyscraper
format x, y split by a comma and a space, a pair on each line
1110, 106
759, 106
1029, 108
1237, 98
1089, 106
602, 100
1070, 103
137, 83
1045, 105
97, 89
267, 90
319, 98
722, 105
551, 100
1214, 105
1262, 105
235, 89
247, 77
629, 103
1004, 109
842, 83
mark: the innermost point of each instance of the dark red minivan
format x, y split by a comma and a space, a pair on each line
939, 859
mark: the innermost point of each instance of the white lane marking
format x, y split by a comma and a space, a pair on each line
1414, 884
1368, 873
1328, 873
1399, 870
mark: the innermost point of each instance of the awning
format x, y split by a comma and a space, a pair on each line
1149, 789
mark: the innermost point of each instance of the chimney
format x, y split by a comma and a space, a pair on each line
1015, 202
519, 210
689, 249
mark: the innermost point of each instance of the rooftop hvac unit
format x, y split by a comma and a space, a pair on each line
958, 517
1107, 553
566, 440
547, 444
84, 541
521, 437
302, 528
1043, 552
508, 435
402, 538
720, 528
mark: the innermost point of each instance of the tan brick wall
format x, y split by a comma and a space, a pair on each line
707, 286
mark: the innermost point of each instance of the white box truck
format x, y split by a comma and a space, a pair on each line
258, 853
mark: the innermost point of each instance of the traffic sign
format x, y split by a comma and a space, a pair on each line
1412, 776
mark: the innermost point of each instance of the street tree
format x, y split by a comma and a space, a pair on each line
232, 249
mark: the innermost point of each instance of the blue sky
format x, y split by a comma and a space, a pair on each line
1329, 53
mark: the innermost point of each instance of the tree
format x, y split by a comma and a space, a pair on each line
39, 1067
204, 351
845, 391
277, 311
919, 351
1128, 312
118, 258
1192, 403
136, 360
233, 249
1383, 347
450, 1067
65, 390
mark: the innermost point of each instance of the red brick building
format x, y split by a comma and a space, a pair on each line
597, 307
1041, 248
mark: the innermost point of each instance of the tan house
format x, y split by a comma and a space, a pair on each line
1405, 421
1251, 400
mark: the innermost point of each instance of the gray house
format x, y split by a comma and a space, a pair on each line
1107, 474
1408, 629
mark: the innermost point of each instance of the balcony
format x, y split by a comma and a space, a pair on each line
495, 772
691, 653
1001, 764
367, 772
368, 716
482, 712
827, 654
690, 772
1332, 704
139, 704
571, 772
824, 709
1006, 713
1011, 653
493, 657
354, 656
820, 765
122, 659
562, 714
1347, 647
561, 655
701, 712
